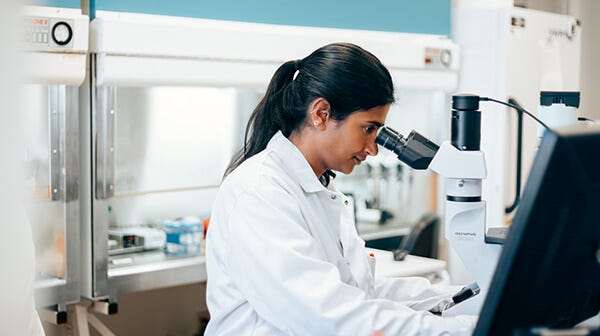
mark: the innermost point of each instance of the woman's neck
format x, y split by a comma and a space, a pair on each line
308, 149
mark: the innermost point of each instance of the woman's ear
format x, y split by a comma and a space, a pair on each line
319, 112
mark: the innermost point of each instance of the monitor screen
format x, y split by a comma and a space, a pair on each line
548, 274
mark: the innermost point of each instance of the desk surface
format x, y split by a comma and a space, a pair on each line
386, 266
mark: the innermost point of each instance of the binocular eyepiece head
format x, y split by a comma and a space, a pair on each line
415, 150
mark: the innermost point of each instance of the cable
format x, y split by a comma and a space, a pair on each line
514, 104
520, 109
513, 206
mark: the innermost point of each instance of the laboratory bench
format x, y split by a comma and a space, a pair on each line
387, 267
193, 268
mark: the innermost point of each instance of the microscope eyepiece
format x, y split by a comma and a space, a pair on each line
414, 150
391, 139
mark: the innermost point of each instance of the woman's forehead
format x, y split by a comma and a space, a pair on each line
376, 114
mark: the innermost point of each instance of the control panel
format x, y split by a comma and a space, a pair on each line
52, 33
437, 58
54, 42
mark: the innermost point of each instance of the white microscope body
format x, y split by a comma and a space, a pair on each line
465, 226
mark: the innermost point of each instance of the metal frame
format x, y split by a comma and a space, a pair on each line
102, 170
107, 284
105, 142
64, 162
94, 235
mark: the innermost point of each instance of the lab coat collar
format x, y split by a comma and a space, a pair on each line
295, 163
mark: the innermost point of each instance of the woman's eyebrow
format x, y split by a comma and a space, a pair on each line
376, 123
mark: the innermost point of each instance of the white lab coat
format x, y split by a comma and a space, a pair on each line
283, 258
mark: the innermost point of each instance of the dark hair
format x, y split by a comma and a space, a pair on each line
347, 76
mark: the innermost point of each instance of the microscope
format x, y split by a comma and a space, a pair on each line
462, 164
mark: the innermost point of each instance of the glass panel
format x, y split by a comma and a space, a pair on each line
172, 137
172, 145
47, 217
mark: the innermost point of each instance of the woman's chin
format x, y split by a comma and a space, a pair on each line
347, 170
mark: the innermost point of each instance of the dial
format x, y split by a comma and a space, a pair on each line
62, 33
446, 57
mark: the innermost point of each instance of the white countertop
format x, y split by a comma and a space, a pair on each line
386, 266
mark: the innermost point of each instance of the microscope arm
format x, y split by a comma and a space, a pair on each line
465, 212
450, 162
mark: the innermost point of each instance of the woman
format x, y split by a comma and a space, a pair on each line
283, 255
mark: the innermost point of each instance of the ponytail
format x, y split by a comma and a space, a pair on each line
347, 76
277, 111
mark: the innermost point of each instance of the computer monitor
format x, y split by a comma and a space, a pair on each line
548, 274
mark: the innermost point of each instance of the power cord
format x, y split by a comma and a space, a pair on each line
519, 109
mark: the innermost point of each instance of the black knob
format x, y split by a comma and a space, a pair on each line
62, 33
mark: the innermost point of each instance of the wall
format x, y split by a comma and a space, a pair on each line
553, 6
588, 11
55, 3
425, 16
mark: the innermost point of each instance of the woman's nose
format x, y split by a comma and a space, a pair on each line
372, 148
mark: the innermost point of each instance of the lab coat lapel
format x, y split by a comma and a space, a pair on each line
295, 163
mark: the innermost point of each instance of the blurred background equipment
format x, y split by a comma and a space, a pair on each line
423, 239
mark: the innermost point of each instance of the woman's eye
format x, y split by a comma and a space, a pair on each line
370, 129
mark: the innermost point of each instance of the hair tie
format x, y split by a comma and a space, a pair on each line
297, 64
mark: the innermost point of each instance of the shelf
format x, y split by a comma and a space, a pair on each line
151, 270
50, 291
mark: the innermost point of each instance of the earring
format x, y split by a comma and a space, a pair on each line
316, 122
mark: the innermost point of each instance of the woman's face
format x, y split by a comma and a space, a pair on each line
348, 142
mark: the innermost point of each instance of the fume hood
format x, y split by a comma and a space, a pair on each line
169, 101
